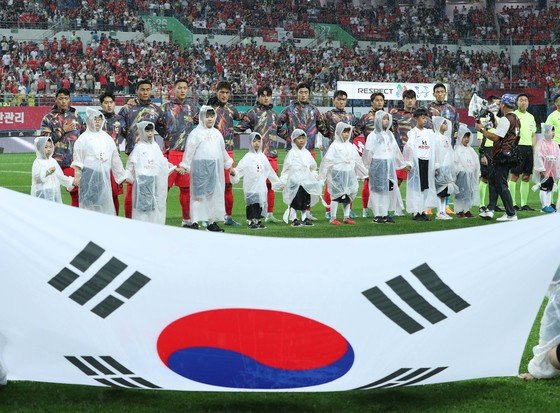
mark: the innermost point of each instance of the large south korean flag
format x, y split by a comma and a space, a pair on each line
92, 299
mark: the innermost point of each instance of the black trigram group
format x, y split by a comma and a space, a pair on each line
405, 376
108, 371
420, 304
98, 282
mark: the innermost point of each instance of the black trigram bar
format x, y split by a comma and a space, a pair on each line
424, 377
81, 365
132, 285
409, 295
63, 279
97, 365
432, 282
385, 379
87, 256
391, 310
107, 306
414, 374
116, 365
99, 281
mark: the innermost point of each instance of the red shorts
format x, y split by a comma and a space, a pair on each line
402, 174
182, 181
226, 171
70, 172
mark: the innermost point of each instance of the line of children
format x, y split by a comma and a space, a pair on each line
467, 168
382, 157
148, 170
299, 179
341, 167
255, 169
546, 167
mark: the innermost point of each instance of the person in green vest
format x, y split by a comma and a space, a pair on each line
554, 120
527, 141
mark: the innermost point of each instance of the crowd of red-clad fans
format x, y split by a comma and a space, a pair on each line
40, 68
405, 23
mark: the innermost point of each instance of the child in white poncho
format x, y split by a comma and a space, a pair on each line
255, 169
148, 170
95, 156
445, 173
382, 157
467, 168
546, 167
299, 179
342, 166
419, 156
46, 175
205, 159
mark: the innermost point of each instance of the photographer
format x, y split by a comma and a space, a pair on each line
505, 138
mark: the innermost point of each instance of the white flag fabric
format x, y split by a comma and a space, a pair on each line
93, 299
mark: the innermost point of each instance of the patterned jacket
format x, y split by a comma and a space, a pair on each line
405, 123
180, 119
225, 115
301, 116
114, 124
52, 126
132, 114
263, 120
333, 116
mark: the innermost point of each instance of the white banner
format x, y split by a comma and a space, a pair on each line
392, 91
92, 299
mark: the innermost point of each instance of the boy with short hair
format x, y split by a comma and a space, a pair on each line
342, 166
256, 171
148, 170
206, 159
419, 156
467, 168
299, 179
46, 174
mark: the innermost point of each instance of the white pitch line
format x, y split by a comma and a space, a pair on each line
16, 172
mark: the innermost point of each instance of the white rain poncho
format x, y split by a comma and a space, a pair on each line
445, 173
300, 169
382, 157
342, 165
148, 169
205, 159
255, 169
46, 184
420, 145
546, 157
96, 155
467, 168
549, 335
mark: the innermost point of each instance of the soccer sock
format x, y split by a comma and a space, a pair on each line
184, 200
334, 209
511, 186
548, 198
304, 215
327, 198
483, 190
293, 214
524, 192
441, 205
346, 211
270, 198
365, 193
542, 196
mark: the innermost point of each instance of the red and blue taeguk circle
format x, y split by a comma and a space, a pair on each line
254, 349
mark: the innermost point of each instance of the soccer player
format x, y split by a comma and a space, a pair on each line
63, 125
303, 115
263, 119
180, 117
527, 140
114, 127
142, 108
226, 113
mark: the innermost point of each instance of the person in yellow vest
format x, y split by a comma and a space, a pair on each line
485, 148
554, 120
527, 141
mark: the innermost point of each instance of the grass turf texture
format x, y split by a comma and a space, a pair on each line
492, 395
